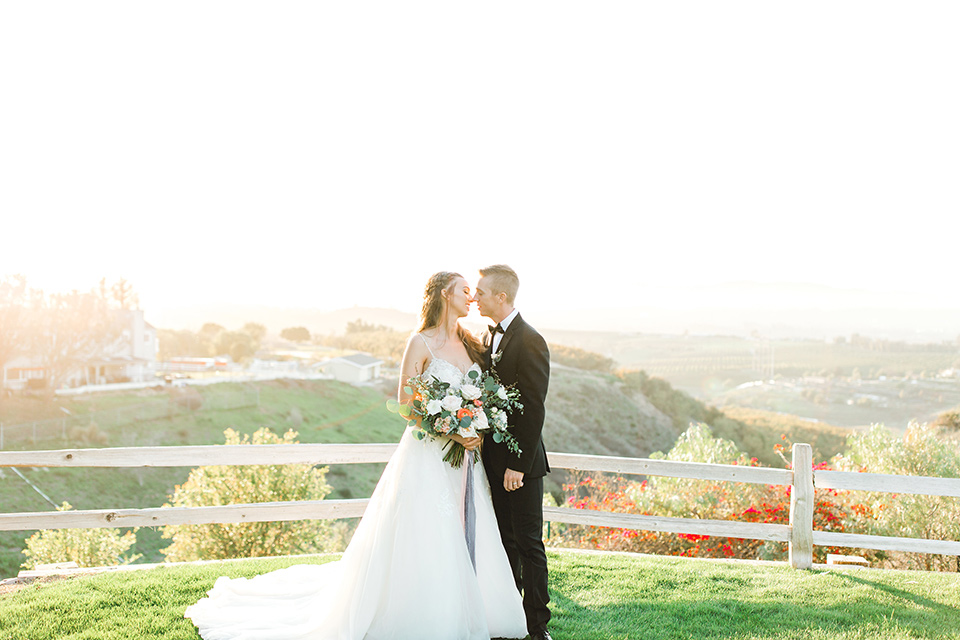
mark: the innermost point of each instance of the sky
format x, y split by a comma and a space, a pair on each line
616, 154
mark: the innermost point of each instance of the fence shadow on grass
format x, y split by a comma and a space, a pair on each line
927, 603
708, 614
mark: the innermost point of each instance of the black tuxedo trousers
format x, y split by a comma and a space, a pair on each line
523, 361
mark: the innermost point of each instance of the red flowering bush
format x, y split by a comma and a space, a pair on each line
698, 499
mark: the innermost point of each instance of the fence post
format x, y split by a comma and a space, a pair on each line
801, 508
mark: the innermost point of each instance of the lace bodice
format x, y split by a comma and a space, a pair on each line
446, 371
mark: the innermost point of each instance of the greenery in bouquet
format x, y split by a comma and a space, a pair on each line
479, 405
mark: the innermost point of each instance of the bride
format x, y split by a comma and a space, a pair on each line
407, 572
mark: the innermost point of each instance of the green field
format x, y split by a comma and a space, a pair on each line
594, 596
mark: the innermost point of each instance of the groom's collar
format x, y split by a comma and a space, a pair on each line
505, 323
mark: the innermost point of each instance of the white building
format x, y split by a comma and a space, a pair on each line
131, 357
354, 369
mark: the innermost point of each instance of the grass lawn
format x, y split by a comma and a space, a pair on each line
594, 596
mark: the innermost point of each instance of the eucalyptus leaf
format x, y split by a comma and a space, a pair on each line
393, 406
408, 391
473, 374
497, 436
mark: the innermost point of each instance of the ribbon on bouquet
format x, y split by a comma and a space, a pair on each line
468, 510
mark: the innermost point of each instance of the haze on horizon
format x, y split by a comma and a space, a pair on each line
618, 156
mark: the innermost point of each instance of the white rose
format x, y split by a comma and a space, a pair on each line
451, 403
480, 422
470, 392
502, 393
434, 407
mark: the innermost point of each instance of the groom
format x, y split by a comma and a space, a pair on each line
520, 357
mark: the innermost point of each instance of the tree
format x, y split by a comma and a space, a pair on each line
211, 331
256, 331
122, 293
183, 342
296, 334
237, 344
86, 547
218, 485
13, 321
68, 329
359, 326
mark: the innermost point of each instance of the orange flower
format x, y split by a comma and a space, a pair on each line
462, 413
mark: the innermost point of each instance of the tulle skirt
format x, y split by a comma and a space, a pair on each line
406, 574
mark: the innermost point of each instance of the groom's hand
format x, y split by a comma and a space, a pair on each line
512, 480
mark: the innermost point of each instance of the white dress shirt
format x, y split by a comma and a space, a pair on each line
498, 337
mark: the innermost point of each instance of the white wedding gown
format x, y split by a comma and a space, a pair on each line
406, 574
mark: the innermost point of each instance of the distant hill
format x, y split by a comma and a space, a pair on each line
774, 310
276, 319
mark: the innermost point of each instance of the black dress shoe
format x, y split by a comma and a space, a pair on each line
542, 634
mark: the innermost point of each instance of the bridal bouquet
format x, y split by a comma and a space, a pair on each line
480, 404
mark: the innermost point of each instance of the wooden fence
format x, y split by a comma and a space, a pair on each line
799, 533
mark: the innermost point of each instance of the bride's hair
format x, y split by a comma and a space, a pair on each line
432, 315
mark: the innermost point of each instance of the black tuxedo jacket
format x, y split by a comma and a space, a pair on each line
523, 361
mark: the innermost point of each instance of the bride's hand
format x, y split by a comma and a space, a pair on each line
468, 443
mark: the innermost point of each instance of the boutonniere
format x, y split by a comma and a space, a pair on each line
496, 357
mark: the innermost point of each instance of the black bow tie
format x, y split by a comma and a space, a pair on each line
495, 329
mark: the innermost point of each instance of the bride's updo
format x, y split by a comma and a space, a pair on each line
433, 312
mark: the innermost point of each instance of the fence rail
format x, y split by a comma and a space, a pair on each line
799, 533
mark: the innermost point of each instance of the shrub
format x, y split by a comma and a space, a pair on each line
921, 451
86, 547
219, 485
89, 435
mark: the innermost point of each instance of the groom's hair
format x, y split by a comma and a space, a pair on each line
503, 279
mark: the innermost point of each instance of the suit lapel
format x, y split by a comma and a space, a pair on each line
487, 351
511, 331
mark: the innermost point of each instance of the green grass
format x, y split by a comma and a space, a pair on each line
594, 597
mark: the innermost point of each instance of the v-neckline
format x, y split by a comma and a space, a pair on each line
456, 366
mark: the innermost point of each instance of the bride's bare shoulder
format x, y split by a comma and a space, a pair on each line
417, 347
